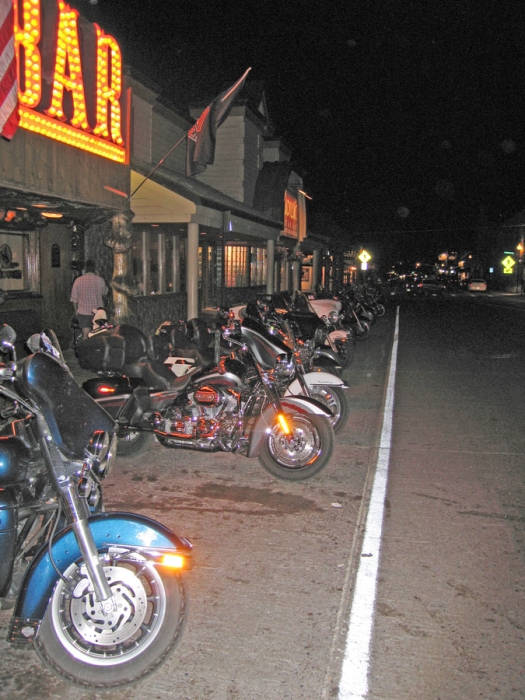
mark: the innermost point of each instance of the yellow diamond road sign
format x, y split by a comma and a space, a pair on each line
508, 263
364, 256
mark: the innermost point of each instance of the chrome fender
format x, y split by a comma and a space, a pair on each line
263, 423
117, 529
327, 353
316, 379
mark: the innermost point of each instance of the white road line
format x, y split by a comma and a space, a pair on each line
354, 677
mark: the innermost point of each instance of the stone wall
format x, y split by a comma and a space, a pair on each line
148, 312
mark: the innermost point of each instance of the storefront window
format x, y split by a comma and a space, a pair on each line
155, 268
257, 267
235, 266
137, 266
158, 260
18, 262
244, 267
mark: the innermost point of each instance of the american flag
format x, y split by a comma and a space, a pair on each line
9, 116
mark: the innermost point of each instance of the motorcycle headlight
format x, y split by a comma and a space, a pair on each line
99, 444
333, 317
101, 452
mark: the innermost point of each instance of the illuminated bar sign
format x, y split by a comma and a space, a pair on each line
70, 78
291, 224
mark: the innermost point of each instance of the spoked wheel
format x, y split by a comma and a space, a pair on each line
133, 443
99, 649
335, 399
301, 454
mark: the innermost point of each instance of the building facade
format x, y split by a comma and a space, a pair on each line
61, 169
96, 170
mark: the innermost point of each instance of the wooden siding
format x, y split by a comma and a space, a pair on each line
252, 160
39, 164
141, 129
227, 173
166, 135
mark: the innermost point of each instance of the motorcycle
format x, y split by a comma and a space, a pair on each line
326, 387
210, 408
186, 344
100, 595
334, 342
374, 297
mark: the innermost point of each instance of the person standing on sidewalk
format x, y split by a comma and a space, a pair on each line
87, 295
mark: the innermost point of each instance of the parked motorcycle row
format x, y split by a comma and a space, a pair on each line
101, 596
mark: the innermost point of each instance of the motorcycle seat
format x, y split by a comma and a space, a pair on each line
157, 375
191, 353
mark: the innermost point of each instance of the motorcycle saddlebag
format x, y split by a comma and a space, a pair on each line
102, 353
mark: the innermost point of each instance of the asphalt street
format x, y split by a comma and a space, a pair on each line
275, 563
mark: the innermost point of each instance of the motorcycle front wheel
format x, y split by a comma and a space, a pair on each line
105, 650
335, 399
302, 454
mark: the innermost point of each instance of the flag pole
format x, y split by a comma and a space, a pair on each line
161, 161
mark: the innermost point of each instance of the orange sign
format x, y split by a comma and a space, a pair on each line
291, 223
82, 103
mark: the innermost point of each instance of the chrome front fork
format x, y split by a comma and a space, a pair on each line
77, 515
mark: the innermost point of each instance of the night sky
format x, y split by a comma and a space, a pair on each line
405, 116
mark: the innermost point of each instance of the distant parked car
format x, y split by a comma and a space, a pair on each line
433, 285
477, 286
424, 286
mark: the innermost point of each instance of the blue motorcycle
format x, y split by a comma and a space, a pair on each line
100, 595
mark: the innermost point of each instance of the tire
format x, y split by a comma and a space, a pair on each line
336, 400
380, 310
345, 350
133, 443
303, 455
75, 643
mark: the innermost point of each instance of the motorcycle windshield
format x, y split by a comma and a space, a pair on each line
264, 347
72, 415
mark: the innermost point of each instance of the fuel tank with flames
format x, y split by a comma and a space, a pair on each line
229, 374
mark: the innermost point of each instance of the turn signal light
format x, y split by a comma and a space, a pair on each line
174, 561
284, 424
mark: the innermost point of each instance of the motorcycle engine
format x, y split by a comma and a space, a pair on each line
201, 419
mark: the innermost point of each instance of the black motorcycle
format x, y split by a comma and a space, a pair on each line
225, 407
98, 594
